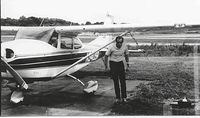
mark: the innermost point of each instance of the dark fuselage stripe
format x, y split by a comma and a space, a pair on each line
47, 61
48, 58
48, 64
50, 61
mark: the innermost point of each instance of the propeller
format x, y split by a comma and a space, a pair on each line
16, 76
17, 95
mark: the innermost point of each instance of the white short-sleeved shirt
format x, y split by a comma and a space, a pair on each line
117, 54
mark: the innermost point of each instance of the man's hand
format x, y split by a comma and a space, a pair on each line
106, 67
127, 64
127, 68
106, 62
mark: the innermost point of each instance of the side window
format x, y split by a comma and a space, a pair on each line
70, 43
66, 43
77, 43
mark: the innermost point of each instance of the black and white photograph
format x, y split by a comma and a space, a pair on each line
100, 58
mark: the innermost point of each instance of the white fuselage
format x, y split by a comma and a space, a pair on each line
37, 59
45, 72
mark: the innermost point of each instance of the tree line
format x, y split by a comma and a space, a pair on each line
36, 21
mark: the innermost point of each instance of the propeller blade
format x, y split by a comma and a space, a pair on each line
16, 76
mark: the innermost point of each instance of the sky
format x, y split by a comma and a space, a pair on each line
141, 12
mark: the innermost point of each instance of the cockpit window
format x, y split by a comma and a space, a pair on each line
54, 39
70, 43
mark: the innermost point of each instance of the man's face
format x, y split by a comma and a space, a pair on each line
119, 43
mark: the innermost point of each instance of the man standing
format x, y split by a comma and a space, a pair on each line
117, 54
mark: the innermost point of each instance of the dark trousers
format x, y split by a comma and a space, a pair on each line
118, 75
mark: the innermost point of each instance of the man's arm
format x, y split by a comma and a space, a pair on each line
106, 61
126, 55
127, 59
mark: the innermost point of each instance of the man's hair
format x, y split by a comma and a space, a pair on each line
119, 37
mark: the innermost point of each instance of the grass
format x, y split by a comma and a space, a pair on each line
170, 77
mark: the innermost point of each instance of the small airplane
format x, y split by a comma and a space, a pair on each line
45, 53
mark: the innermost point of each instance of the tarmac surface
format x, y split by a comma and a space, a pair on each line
64, 97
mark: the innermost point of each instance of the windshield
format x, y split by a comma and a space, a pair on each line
36, 33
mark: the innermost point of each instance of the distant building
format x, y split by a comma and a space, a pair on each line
179, 25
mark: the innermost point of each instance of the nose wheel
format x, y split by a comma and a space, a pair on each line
17, 93
17, 96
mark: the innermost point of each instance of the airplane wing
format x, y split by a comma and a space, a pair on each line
109, 28
9, 30
91, 28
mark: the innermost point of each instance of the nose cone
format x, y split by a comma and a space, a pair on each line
3, 52
3, 49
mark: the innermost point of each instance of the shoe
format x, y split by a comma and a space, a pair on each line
124, 100
117, 100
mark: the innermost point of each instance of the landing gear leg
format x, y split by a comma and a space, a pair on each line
90, 87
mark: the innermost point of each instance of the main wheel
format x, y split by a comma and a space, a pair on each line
91, 87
